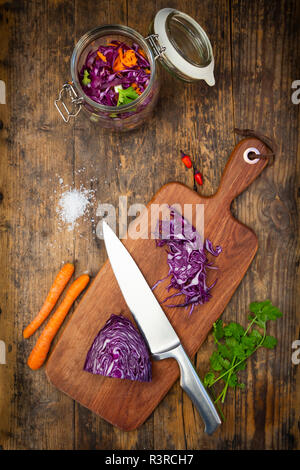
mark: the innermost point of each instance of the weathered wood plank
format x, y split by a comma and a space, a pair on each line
38, 151
265, 47
103, 157
6, 243
199, 120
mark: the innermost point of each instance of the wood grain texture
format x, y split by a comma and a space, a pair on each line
256, 48
262, 100
29, 184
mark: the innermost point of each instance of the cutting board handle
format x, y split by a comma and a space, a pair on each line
241, 169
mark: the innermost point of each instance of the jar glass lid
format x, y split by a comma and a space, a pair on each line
187, 49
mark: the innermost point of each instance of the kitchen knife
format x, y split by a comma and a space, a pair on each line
159, 334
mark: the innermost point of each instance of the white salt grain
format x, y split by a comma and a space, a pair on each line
73, 204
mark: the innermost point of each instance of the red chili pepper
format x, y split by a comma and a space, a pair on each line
198, 177
186, 159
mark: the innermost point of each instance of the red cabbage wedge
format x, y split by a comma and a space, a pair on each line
119, 351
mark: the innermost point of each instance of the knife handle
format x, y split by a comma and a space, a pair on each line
192, 385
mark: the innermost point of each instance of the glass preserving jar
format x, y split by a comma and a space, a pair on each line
176, 41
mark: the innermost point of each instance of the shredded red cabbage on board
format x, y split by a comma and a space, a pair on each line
115, 74
119, 351
187, 260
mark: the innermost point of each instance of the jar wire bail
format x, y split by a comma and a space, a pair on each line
69, 91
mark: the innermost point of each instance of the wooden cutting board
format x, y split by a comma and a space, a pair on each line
125, 403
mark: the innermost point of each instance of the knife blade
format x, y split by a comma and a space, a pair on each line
158, 332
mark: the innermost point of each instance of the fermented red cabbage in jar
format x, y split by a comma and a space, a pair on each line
115, 74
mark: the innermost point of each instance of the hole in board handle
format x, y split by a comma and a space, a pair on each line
249, 155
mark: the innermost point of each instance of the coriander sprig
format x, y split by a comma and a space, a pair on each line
236, 344
126, 96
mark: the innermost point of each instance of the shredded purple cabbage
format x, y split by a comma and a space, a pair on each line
103, 78
187, 260
119, 351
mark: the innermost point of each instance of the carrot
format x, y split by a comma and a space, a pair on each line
118, 65
140, 51
57, 287
129, 58
101, 56
39, 353
136, 88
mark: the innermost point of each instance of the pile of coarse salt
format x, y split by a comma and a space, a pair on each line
74, 204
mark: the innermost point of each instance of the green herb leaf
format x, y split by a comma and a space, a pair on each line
218, 331
241, 385
235, 344
239, 352
126, 96
234, 329
263, 312
256, 336
269, 342
271, 312
240, 366
86, 80
231, 342
256, 307
209, 379
215, 362
233, 380
224, 351
249, 344
224, 362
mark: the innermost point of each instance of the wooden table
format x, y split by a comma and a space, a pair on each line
256, 47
